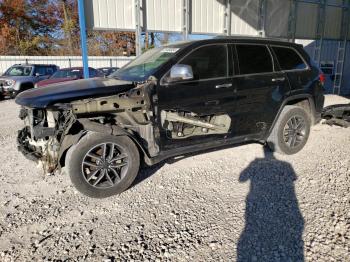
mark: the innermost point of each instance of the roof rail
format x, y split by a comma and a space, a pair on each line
250, 37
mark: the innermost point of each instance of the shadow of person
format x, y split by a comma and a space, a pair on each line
273, 222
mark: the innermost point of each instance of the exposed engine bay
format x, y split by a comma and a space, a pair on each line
50, 132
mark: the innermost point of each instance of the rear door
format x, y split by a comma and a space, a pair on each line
40, 73
208, 97
50, 70
261, 89
297, 70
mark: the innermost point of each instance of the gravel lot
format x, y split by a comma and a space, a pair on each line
227, 205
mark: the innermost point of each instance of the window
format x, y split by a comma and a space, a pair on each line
254, 59
208, 62
92, 73
68, 73
19, 71
288, 58
49, 71
41, 70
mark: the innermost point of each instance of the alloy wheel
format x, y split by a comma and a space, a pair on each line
105, 165
294, 131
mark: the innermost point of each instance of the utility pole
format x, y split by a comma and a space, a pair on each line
84, 49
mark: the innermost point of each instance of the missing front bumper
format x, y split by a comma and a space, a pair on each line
23, 146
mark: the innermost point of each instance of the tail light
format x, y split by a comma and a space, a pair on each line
322, 78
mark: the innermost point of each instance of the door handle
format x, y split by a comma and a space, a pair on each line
279, 79
212, 103
223, 86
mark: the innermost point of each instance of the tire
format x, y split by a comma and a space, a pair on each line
295, 120
82, 168
14, 94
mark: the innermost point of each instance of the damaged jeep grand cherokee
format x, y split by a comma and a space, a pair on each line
170, 101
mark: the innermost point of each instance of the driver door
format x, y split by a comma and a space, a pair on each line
185, 107
40, 73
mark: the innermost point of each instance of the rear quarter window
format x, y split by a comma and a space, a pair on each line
254, 59
288, 58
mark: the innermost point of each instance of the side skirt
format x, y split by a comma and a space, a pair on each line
201, 148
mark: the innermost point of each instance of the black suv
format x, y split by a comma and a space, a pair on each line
171, 101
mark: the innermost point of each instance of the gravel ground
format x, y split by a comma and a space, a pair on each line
233, 204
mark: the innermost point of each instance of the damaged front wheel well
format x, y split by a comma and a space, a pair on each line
82, 126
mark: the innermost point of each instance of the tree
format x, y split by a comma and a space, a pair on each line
51, 27
26, 26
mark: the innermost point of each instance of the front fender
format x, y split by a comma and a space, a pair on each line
86, 125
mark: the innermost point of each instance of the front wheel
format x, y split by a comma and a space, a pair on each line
14, 94
101, 165
291, 131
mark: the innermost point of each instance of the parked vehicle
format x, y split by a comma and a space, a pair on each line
170, 101
68, 74
106, 71
22, 77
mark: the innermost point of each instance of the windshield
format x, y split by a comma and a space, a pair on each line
19, 71
73, 73
145, 65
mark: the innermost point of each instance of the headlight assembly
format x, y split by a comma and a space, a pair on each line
9, 82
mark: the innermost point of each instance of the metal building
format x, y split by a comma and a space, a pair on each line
328, 62
318, 20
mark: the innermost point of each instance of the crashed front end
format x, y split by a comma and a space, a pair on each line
42, 135
49, 131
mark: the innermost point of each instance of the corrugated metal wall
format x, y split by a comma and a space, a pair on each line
306, 21
164, 15
244, 17
207, 17
333, 22
329, 55
64, 61
275, 26
346, 80
110, 14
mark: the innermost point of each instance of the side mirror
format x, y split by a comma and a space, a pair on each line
37, 74
181, 72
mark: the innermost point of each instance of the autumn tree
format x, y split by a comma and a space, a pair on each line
51, 27
27, 26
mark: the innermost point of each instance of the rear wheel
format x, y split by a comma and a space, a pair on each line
101, 165
291, 131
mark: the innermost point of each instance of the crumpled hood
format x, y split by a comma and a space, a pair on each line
73, 90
